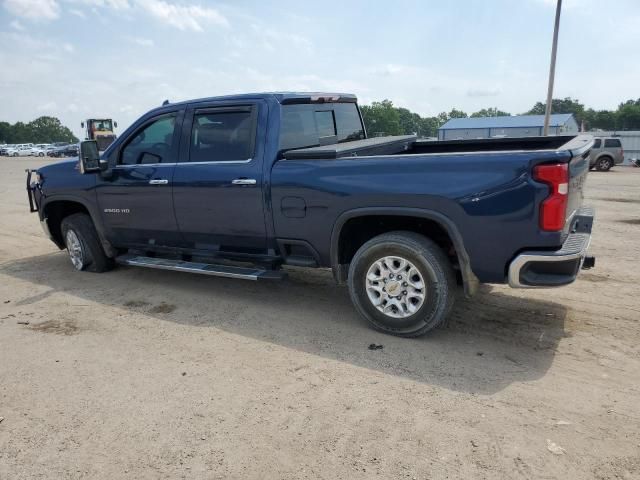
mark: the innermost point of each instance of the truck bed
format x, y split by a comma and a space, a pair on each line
357, 148
409, 144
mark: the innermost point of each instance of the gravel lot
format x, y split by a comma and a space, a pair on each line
150, 374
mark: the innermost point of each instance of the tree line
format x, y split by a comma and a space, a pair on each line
383, 118
41, 130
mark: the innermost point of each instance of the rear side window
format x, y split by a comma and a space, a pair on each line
309, 125
596, 143
222, 135
612, 143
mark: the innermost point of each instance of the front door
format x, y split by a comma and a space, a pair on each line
135, 196
218, 184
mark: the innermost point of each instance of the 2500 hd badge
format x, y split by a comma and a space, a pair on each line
117, 210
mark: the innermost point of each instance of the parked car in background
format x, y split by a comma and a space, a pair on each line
20, 145
66, 151
605, 153
57, 151
27, 151
24, 151
53, 152
4, 149
10, 151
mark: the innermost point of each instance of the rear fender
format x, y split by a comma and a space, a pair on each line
469, 279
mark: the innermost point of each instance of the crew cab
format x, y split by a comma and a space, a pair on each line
239, 186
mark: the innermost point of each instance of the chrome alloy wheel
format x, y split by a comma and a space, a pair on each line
74, 246
395, 287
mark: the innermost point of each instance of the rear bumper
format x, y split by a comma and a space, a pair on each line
539, 269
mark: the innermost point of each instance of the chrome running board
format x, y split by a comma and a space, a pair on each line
247, 273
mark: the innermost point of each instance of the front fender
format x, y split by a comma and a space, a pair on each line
90, 207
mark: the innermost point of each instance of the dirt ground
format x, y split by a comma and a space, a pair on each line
148, 374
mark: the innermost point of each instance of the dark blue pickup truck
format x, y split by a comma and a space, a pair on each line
238, 186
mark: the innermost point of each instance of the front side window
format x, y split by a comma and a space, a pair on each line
151, 144
222, 135
597, 142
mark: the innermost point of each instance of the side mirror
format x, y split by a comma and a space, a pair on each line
115, 124
81, 124
90, 157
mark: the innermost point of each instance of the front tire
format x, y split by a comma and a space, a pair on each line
402, 283
83, 244
604, 164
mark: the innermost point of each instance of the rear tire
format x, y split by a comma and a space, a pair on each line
83, 244
402, 283
604, 164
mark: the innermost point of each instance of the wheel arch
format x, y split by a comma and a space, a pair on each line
57, 208
373, 214
604, 155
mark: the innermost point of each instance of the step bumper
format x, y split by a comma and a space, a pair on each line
544, 269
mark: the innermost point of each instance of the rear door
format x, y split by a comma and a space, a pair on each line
218, 186
135, 197
614, 146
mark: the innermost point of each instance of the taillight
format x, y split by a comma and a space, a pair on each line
553, 210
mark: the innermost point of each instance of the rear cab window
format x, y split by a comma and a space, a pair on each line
311, 125
612, 143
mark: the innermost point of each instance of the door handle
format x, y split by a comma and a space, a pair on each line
244, 181
159, 181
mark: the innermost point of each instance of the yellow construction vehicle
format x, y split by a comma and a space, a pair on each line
101, 130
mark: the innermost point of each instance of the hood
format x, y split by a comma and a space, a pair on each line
65, 177
68, 165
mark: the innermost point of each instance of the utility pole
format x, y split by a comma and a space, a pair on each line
552, 69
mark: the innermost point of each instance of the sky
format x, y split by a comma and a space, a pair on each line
77, 59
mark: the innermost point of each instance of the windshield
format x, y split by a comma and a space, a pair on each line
101, 125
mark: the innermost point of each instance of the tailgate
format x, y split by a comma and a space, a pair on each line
579, 148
